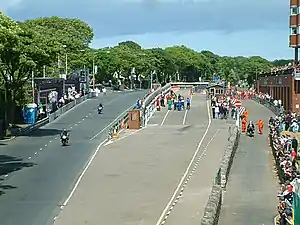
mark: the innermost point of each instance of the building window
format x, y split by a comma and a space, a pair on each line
294, 30
294, 10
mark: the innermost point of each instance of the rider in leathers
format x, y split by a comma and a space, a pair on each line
250, 127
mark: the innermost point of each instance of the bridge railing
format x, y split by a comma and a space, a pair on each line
50, 117
275, 109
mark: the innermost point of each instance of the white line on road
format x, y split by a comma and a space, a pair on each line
82, 174
161, 218
186, 112
109, 125
165, 117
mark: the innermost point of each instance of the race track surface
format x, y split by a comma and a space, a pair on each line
37, 173
133, 180
251, 194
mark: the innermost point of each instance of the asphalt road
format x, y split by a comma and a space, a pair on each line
251, 192
132, 180
37, 173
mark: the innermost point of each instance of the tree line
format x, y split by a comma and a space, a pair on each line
36, 46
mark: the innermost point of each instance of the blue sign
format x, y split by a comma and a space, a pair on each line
216, 79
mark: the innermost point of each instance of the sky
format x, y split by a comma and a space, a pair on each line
225, 27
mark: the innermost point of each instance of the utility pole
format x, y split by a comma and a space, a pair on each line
93, 73
151, 80
44, 71
66, 65
32, 85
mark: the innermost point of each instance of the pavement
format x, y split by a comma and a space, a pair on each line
159, 174
37, 173
251, 192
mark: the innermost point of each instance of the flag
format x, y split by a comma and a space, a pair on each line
233, 101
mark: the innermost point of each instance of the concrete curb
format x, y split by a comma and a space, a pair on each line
214, 204
229, 155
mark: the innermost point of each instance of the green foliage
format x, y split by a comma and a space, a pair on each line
30, 45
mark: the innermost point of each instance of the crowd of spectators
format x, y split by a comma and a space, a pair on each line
284, 149
287, 69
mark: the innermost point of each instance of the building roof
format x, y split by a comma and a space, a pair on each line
215, 86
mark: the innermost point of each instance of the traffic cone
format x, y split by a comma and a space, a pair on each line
115, 134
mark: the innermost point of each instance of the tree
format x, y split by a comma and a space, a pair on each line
21, 51
71, 36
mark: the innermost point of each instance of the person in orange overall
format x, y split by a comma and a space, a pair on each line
244, 125
260, 125
246, 114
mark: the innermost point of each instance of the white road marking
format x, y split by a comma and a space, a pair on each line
75, 124
161, 218
79, 122
180, 194
6, 175
165, 117
82, 174
35, 153
46, 145
29, 157
121, 138
71, 127
55, 138
186, 112
83, 119
86, 116
50, 141
41, 149
109, 125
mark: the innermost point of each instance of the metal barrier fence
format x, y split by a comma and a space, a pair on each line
268, 104
51, 117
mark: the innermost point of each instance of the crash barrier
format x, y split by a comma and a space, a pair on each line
150, 109
268, 104
154, 94
120, 123
214, 204
50, 117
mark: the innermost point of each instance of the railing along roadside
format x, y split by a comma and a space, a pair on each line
120, 123
276, 110
52, 116
149, 107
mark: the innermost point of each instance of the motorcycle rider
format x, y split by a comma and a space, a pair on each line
100, 107
64, 133
250, 127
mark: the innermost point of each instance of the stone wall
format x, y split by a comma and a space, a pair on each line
229, 155
214, 204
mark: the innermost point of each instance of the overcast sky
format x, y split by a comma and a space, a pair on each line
226, 27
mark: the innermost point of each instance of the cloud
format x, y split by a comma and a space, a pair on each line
123, 17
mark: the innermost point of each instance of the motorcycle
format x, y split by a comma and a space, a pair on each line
100, 110
64, 140
250, 132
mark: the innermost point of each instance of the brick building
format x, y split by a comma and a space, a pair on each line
283, 87
295, 26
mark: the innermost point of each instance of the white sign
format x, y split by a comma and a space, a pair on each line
297, 106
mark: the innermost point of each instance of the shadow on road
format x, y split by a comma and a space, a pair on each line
42, 132
5, 187
9, 164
